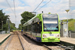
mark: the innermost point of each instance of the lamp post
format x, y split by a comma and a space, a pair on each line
2, 25
67, 21
67, 14
8, 26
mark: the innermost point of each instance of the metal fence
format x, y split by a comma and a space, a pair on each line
71, 34
64, 31
3, 32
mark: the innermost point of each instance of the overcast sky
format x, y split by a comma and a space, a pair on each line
54, 6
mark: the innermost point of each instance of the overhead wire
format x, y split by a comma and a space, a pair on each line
44, 5
37, 6
9, 6
12, 9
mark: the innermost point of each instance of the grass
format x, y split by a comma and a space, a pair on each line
70, 24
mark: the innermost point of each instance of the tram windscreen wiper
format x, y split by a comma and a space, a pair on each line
45, 27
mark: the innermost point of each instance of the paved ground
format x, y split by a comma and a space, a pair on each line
68, 40
3, 36
4, 44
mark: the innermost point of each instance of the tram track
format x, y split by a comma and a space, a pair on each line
47, 47
39, 43
8, 43
14, 43
53, 46
59, 46
65, 47
21, 43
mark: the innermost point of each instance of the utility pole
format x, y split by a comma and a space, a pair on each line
74, 26
8, 26
67, 21
2, 25
67, 14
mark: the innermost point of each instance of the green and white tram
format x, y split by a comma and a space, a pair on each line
43, 28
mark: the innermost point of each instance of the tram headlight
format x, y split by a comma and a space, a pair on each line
58, 36
44, 36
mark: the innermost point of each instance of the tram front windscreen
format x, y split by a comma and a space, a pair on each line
50, 22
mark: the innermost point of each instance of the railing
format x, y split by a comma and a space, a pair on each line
71, 34
3, 32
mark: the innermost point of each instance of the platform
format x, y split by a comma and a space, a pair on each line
3, 37
68, 40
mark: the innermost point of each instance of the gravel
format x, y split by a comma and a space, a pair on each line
29, 45
15, 44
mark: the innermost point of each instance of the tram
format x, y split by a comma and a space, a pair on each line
43, 28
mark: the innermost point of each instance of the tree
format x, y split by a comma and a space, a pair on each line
26, 16
49, 13
3, 19
20, 26
4, 22
12, 26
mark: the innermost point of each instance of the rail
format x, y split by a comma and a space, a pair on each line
10, 41
21, 43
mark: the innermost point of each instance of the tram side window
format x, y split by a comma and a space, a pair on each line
26, 28
37, 27
29, 27
32, 27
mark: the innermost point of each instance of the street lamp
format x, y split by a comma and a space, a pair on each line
67, 20
67, 13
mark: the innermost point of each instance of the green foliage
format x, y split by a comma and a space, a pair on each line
5, 27
68, 20
20, 26
70, 24
25, 17
12, 25
49, 13
3, 19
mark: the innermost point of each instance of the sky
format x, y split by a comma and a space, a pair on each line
54, 6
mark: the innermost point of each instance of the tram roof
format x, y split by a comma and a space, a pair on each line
30, 21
